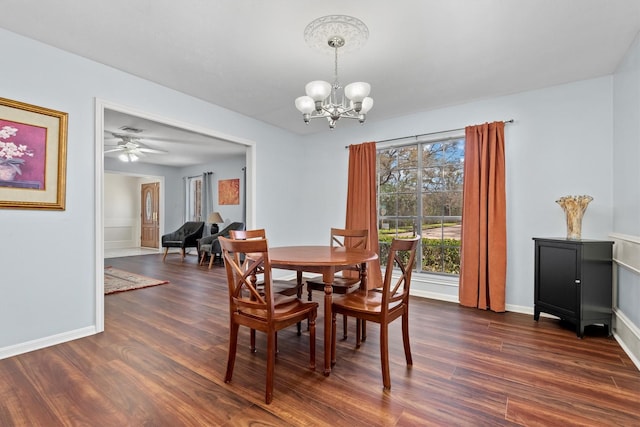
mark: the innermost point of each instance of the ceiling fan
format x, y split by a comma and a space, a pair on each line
130, 148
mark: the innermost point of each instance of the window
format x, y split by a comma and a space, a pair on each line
193, 206
420, 191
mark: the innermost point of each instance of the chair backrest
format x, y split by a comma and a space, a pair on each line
401, 254
233, 226
243, 260
191, 227
259, 233
349, 238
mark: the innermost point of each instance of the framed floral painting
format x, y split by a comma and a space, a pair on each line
33, 154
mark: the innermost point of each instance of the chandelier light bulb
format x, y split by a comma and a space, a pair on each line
305, 104
318, 90
357, 91
367, 104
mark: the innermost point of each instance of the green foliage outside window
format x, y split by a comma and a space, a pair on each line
438, 256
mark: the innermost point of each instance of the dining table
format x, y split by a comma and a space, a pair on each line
327, 261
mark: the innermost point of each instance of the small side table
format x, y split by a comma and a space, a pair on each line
573, 280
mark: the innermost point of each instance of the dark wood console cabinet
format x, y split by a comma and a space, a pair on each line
573, 280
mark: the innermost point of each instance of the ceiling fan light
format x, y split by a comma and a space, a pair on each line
133, 157
318, 90
123, 157
357, 91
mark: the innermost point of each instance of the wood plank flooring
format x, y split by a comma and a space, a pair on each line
162, 357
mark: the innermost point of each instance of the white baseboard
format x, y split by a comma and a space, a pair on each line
28, 346
628, 336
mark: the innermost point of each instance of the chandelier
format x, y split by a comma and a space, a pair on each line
327, 100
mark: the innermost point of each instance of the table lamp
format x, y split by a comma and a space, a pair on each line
214, 219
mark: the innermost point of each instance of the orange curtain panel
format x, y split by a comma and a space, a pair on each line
362, 200
483, 260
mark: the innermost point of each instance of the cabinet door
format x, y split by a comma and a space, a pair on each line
558, 273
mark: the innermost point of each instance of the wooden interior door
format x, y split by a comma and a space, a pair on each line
149, 215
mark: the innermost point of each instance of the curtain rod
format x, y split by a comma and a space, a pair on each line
197, 176
427, 134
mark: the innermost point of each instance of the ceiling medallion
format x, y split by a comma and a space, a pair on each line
349, 28
325, 100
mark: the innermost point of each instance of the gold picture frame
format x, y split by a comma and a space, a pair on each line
33, 156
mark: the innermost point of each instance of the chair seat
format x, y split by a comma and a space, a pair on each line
286, 287
282, 312
341, 285
362, 302
172, 243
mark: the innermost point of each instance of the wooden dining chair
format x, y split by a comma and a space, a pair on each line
258, 310
281, 288
383, 307
349, 279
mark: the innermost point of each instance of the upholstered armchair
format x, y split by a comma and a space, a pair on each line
184, 237
210, 246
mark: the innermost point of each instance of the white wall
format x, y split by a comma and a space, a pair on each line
626, 199
56, 301
121, 211
559, 144
226, 168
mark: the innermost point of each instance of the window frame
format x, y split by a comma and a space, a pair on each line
419, 218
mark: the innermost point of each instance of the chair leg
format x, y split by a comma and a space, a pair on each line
211, 258
312, 341
363, 330
271, 361
384, 355
233, 345
299, 296
165, 253
252, 335
309, 298
358, 335
182, 254
344, 327
405, 338
202, 258
333, 338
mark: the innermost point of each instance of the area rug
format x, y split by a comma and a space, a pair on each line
116, 280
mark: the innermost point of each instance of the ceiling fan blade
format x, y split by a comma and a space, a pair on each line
113, 150
151, 150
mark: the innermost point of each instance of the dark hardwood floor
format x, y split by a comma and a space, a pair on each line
162, 357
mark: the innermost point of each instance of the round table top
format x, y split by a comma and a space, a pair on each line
319, 255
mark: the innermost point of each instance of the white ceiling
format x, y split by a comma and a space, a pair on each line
184, 148
250, 55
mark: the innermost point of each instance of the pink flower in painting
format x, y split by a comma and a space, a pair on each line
10, 153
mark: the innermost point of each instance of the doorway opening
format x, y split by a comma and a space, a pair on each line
102, 106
